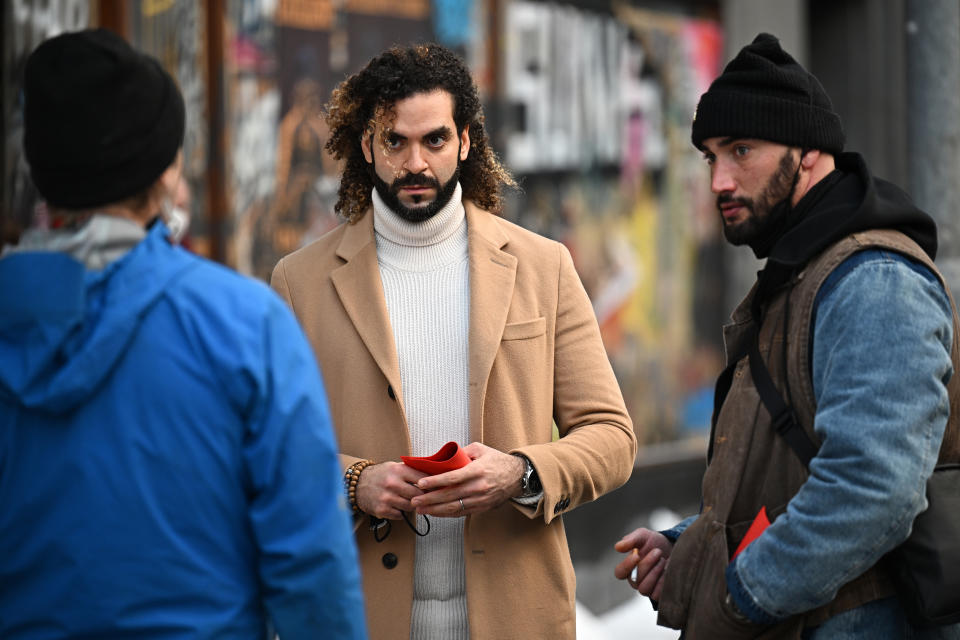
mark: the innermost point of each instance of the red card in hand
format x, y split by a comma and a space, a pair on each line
449, 457
760, 524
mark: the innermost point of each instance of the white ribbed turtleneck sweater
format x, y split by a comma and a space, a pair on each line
425, 273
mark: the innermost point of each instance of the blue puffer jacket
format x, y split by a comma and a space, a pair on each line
167, 463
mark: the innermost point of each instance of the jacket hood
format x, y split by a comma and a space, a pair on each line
64, 328
848, 201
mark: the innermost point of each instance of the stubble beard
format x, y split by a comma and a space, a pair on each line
760, 220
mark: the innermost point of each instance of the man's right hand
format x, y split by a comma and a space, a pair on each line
649, 552
385, 489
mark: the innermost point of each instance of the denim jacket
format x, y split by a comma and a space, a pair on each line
879, 360
880, 364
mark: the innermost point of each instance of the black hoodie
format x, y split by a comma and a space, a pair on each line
846, 201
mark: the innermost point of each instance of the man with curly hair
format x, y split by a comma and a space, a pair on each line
437, 321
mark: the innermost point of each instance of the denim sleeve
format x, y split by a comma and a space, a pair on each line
674, 532
881, 361
307, 556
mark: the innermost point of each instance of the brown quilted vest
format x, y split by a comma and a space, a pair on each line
752, 466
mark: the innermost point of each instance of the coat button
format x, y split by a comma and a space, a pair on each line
390, 392
389, 560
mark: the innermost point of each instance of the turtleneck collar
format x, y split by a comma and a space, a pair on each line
442, 225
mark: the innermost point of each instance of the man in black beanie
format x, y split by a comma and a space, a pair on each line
168, 467
848, 339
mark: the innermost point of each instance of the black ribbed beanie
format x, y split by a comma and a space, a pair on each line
102, 121
764, 93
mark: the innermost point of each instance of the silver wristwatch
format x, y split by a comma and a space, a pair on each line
529, 481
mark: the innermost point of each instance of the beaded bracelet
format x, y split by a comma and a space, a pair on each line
350, 479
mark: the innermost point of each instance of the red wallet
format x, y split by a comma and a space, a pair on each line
449, 457
760, 524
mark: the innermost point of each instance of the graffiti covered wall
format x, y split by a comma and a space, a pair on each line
283, 59
174, 32
599, 110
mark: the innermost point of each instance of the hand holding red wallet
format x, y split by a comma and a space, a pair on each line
386, 488
479, 478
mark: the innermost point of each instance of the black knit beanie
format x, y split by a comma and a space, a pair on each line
102, 121
765, 94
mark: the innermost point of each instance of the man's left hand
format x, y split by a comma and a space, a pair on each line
490, 479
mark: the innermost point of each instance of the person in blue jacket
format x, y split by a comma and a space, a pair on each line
168, 467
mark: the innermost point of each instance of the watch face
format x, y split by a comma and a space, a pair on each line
531, 481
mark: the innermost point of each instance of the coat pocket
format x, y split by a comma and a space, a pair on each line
710, 618
525, 330
685, 569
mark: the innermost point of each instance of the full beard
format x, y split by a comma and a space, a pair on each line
390, 193
766, 212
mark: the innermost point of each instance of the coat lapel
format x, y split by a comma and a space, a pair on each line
492, 276
360, 290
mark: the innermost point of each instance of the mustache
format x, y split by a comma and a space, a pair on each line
726, 198
414, 180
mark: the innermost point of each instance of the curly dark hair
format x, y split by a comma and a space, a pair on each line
399, 73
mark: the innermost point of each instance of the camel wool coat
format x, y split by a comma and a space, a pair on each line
535, 358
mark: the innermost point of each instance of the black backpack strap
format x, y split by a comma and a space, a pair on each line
783, 419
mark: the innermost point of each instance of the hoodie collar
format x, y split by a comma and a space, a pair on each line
99, 242
847, 201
